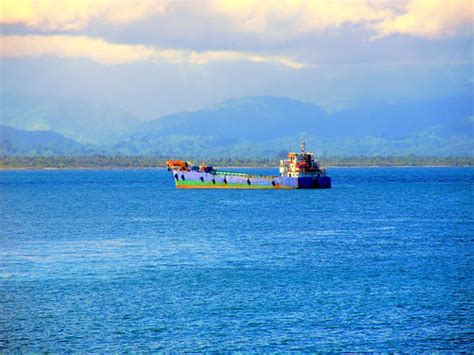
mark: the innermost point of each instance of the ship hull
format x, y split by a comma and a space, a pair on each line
230, 180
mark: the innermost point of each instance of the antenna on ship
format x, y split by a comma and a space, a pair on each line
302, 146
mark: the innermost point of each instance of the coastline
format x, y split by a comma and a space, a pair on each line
36, 168
118, 162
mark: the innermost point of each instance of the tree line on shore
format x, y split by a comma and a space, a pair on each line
119, 161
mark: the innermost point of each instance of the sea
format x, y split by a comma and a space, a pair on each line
121, 261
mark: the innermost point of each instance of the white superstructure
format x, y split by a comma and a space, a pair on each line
301, 164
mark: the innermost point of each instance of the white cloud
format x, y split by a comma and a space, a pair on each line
74, 15
206, 23
291, 18
101, 51
288, 19
431, 19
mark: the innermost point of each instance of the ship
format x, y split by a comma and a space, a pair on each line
300, 170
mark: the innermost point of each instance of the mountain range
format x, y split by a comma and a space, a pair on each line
243, 127
82, 121
31, 143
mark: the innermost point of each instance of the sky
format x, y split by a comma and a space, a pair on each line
153, 58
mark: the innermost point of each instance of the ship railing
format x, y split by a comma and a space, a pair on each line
228, 173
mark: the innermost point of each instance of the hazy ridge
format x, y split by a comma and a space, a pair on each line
246, 127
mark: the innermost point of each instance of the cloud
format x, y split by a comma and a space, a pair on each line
219, 56
430, 19
243, 24
291, 18
64, 46
101, 51
74, 15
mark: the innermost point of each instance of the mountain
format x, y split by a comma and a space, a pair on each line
80, 120
246, 127
264, 126
445, 117
252, 118
18, 142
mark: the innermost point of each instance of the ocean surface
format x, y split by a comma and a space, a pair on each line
120, 260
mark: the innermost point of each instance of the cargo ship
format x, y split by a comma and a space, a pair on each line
300, 171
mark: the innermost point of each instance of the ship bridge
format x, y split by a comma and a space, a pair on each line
301, 164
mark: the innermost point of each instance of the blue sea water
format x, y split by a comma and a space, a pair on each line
122, 261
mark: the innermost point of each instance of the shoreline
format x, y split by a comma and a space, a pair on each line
35, 168
158, 162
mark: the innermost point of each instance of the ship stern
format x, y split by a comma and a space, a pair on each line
316, 182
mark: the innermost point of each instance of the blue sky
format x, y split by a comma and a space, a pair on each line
157, 57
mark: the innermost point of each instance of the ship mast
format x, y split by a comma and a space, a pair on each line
302, 146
